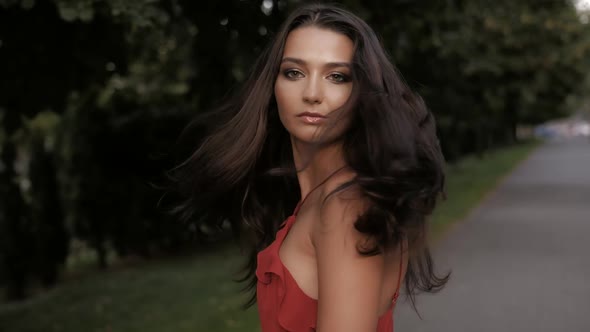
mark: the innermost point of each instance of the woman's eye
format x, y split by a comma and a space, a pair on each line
339, 78
292, 74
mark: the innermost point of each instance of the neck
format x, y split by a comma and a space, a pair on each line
316, 163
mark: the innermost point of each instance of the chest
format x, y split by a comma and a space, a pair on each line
297, 255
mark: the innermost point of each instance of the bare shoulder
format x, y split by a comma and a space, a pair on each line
340, 209
350, 285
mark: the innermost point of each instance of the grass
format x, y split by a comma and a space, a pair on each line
471, 179
183, 294
197, 293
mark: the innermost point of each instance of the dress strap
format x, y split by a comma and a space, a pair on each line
314, 188
298, 207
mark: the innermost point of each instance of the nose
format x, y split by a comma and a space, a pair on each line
312, 94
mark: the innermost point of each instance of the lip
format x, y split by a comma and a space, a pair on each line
311, 115
311, 118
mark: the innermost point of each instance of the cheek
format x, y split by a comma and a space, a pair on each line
282, 99
280, 95
338, 95
286, 96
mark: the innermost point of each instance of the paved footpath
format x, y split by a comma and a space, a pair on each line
521, 260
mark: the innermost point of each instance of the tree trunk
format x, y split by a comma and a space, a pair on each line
15, 237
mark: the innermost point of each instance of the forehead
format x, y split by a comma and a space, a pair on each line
319, 45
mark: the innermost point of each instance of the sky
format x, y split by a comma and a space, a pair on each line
583, 7
583, 4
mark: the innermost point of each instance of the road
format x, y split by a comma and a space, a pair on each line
521, 260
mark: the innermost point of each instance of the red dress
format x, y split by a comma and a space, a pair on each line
282, 305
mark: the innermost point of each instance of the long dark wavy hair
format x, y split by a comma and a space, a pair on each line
243, 174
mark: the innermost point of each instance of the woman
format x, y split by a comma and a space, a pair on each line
324, 120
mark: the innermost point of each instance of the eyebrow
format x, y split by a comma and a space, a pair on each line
328, 64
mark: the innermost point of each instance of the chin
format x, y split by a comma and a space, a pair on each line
322, 134
315, 140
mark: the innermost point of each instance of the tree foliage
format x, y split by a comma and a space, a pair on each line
94, 94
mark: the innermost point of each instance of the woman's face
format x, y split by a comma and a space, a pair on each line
314, 81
